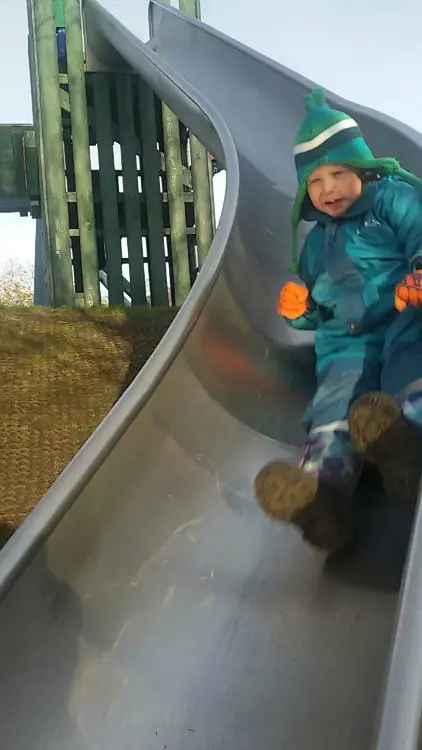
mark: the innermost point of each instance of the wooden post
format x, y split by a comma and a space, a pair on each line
175, 190
191, 7
47, 114
174, 176
42, 288
81, 155
201, 182
202, 198
43, 276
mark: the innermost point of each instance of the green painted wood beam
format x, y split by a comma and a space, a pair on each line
132, 206
191, 7
201, 175
43, 277
54, 209
151, 160
174, 176
202, 198
81, 154
108, 189
59, 15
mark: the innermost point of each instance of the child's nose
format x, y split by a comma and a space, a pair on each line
328, 185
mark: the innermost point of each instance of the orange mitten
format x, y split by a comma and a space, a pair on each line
409, 291
293, 300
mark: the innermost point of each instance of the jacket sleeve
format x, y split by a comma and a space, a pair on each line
399, 204
311, 319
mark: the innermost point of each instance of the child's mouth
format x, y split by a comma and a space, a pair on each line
334, 202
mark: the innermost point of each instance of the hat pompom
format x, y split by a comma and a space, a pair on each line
315, 99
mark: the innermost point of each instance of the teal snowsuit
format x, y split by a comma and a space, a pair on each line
351, 265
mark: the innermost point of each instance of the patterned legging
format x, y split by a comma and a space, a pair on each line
330, 453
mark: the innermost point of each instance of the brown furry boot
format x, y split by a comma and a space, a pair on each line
322, 512
386, 438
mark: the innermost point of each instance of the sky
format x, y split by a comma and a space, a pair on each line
367, 51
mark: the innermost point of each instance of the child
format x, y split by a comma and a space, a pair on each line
361, 274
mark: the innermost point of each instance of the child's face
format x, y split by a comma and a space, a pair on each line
333, 188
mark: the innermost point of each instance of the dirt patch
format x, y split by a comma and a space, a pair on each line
61, 371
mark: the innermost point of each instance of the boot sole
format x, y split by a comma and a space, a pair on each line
385, 438
289, 495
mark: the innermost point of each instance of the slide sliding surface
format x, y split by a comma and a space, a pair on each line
147, 602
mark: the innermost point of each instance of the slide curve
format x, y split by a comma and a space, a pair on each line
147, 602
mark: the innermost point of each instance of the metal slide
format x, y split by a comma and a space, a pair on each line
147, 602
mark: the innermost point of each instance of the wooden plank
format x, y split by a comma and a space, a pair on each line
31, 164
108, 187
73, 213
151, 171
212, 196
166, 232
132, 206
8, 176
64, 100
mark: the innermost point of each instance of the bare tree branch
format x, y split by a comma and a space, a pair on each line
16, 283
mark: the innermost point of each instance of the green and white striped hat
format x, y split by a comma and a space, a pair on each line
328, 136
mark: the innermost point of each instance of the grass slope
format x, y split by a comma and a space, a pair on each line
61, 371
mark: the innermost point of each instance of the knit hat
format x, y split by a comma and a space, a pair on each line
328, 136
